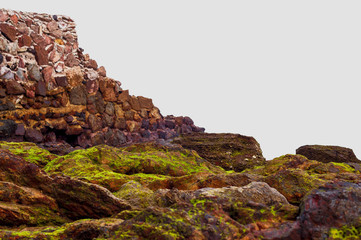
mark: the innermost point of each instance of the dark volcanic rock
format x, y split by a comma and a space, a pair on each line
33, 135
77, 96
230, 151
327, 153
7, 128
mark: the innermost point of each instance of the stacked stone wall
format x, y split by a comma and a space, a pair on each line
52, 92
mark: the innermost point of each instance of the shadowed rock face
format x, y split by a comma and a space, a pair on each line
328, 153
229, 151
55, 94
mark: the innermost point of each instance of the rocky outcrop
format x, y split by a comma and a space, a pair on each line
328, 153
229, 151
52, 92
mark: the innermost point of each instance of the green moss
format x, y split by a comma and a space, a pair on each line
29, 151
344, 167
345, 232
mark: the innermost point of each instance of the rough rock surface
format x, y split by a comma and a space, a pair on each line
46, 79
229, 151
328, 153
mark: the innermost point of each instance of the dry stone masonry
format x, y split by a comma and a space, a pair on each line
52, 93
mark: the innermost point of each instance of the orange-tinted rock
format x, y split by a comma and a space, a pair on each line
102, 72
91, 64
106, 86
14, 19
146, 103
75, 76
74, 130
124, 96
134, 102
8, 31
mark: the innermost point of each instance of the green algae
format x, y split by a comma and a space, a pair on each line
345, 232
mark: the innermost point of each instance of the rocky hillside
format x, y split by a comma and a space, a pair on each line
54, 94
82, 159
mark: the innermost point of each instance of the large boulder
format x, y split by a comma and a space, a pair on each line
326, 154
331, 209
229, 151
7, 128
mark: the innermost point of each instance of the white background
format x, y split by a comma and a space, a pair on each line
285, 72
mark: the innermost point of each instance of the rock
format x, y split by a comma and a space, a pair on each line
14, 88
33, 135
95, 123
7, 128
230, 151
40, 88
1, 58
106, 87
328, 153
62, 81
8, 31
75, 76
52, 26
49, 78
146, 103
333, 206
34, 72
92, 86
102, 72
41, 55
78, 96
92, 75
24, 40
71, 61
20, 130
92, 64
134, 102
109, 109
136, 194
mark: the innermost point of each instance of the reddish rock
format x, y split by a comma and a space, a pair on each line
14, 88
92, 64
54, 56
57, 33
24, 40
52, 26
14, 19
71, 61
62, 81
8, 31
33, 135
40, 88
38, 39
3, 16
41, 55
328, 153
49, 78
75, 76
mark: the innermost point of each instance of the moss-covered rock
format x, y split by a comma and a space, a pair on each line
112, 167
29, 151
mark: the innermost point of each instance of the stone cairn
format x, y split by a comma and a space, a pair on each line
52, 93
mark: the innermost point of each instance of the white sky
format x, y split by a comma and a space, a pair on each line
285, 72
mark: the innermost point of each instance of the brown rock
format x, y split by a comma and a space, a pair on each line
75, 76
74, 130
20, 130
92, 64
106, 86
23, 29
230, 151
109, 109
49, 78
327, 154
41, 55
146, 103
34, 72
78, 96
102, 72
62, 81
95, 123
24, 40
14, 19
120, 123
134, 102
92, 86
14, 88
71, 60
8, 31
124, 96
33, 135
